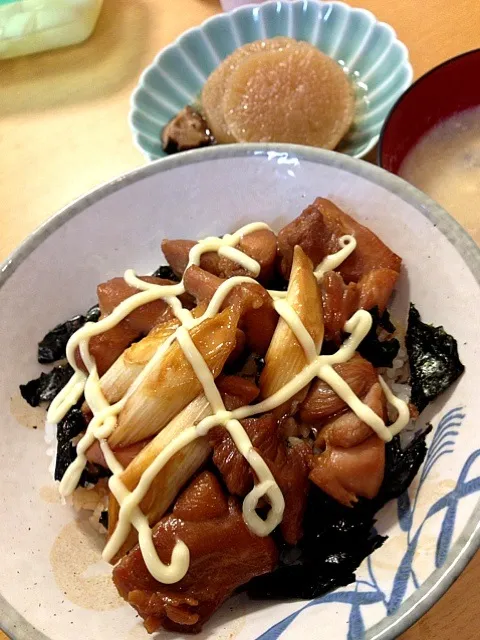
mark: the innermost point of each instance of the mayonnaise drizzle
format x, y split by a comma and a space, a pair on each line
105, 416
348, 245
290, 316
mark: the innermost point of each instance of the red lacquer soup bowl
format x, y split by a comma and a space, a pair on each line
451, 87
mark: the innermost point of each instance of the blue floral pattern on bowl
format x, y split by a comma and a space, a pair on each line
367, 591
368, 51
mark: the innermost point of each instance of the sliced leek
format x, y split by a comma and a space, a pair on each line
286, 355
168, 383
172, 477
116, 381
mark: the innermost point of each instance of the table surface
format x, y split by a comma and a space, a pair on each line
63, 130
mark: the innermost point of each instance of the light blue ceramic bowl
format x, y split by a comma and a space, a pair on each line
368, 51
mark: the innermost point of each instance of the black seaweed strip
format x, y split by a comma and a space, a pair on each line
338, 538
166, 273
380, 353
46, 386
433, 358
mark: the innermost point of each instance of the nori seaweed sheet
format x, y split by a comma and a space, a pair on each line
338, 538
72, 425
52, 346
401, 466
103, 520
166, 272
381, 353
93, 314
433, 358
46, 386
336, 541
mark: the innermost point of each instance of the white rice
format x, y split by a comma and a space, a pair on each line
93, 498
397, 377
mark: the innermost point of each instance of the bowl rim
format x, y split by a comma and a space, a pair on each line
410, 90
13, 623
248, 8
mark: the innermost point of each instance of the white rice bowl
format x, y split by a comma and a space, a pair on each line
53, 559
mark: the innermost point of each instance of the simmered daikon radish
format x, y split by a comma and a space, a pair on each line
296, 94
214, 89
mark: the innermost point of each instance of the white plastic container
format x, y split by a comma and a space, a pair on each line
29, 26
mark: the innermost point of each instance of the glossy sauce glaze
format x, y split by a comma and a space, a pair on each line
105, 415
